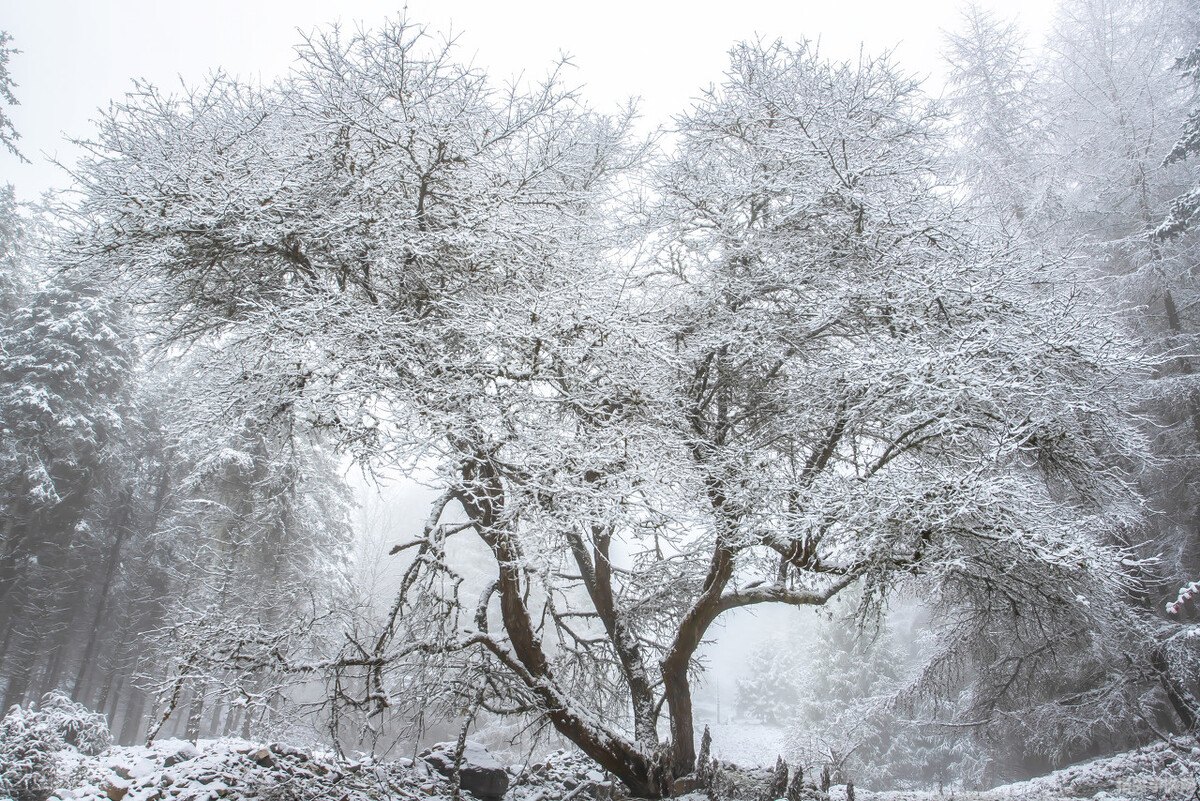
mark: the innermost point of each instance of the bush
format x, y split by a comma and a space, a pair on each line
81, 728
31, 739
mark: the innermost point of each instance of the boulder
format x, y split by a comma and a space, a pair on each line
115, 791
179, 751
479, 773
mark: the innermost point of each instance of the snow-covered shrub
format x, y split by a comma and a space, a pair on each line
79, 727
29, 747
31, 739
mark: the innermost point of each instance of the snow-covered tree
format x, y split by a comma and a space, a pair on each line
8, 131
1114, 103
64, 373
1185, 209
770, 691
850, 719
827, 271
249, 532
32, 739
998, 132
822, 379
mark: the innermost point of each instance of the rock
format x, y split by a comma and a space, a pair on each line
289, 751
479, 774
263, 758
116, 791
123, 771
181, 753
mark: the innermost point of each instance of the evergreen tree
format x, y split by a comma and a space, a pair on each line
852, 721
63, 403
768, 691
1184, 213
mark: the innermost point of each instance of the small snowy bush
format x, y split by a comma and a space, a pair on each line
81, 728
29, 748
31, 739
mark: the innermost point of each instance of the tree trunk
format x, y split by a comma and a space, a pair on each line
232, 720
214, 721
1185, 705
63, 638
135, 712
485, 506
111, 560
20, 675
196, 712
114, 702
675, 665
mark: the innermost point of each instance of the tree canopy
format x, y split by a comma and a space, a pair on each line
769, 362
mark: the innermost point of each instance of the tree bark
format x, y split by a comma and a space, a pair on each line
485, 506
135, 713
112, 559
1184, 704
676, 685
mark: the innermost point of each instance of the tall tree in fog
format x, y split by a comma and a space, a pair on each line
1113, 106
821, 379
1185, 209
999, 137
258, 522
64, 374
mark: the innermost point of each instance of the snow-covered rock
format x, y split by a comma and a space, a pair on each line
237, 769
562, 775
479, 773
179, 751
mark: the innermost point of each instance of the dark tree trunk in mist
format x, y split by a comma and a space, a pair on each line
15, 536
21, 664
110, 676
68, 616
1183, 703
112, 559
6, 638
214, 721
114, 702
232, 720
135, 717
196, 712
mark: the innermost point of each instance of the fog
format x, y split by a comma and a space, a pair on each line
749, 402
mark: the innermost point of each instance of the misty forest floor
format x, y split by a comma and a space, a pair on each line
237, 769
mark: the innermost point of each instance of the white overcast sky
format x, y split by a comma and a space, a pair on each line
79, 54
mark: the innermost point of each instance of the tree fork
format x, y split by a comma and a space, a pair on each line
624, 760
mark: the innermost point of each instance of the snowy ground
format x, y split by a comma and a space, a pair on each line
749, 744
1156, 772
235, 769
